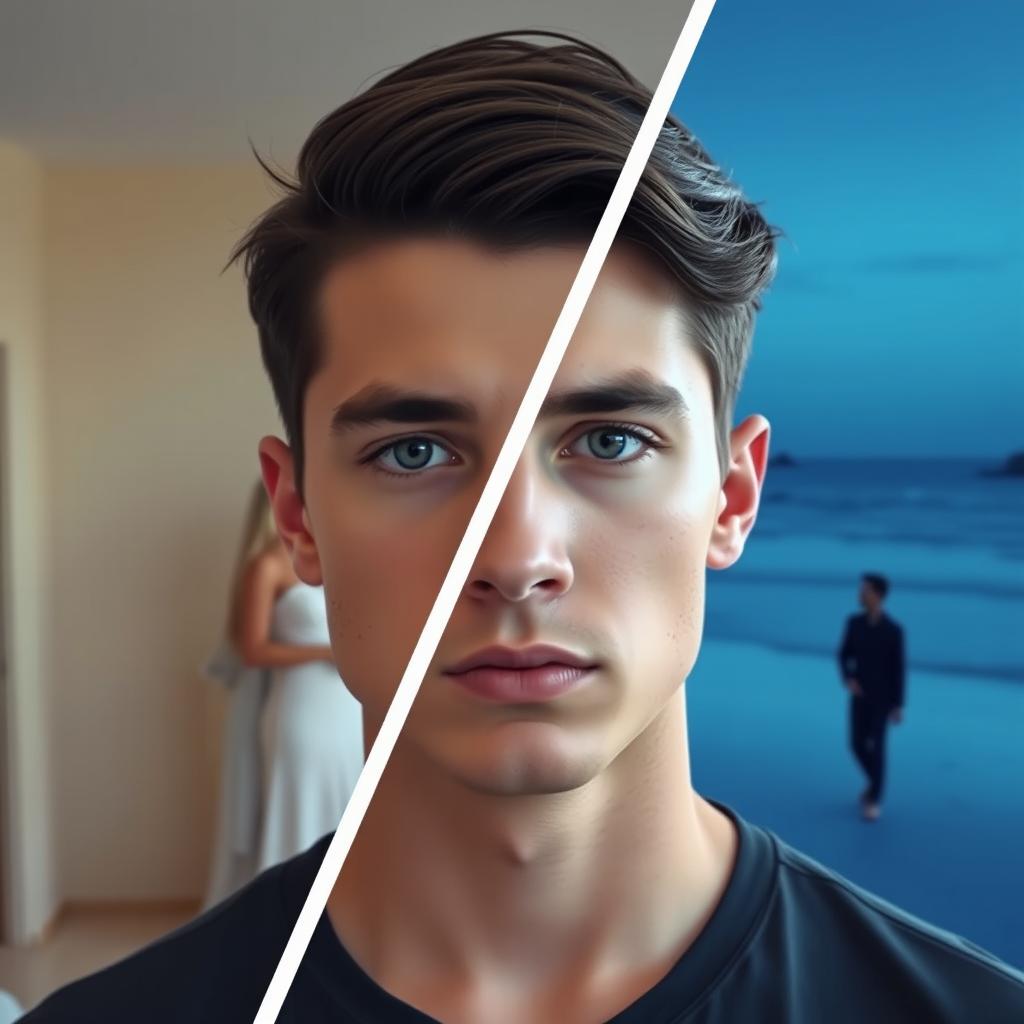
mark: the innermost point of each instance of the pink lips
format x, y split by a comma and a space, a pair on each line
526, 675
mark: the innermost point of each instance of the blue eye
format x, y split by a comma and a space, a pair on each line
412, 455
611, 444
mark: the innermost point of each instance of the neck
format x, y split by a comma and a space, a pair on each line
610, 881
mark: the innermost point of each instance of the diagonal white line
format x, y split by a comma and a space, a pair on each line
462, 563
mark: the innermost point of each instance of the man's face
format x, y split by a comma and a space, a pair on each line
869, 598
600, 542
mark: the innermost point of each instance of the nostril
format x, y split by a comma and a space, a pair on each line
518, 586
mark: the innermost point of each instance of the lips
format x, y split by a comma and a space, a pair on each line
537, 673
525, 657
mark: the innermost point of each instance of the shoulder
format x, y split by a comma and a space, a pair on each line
894, 628
895, 962
178, 978
268, 568
214, 969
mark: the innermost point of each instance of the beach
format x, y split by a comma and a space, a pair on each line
768, 737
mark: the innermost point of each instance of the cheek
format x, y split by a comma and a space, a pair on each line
648, 562
381, 581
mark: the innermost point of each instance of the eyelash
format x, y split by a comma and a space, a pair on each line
649, 440
646, 437
373, 458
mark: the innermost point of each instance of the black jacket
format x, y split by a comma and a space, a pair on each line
873, 654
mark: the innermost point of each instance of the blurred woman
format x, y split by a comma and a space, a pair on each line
294, 740
312, 727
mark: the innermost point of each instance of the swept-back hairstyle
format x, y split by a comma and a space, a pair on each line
509, 142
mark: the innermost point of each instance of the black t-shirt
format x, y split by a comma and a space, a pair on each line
789, 941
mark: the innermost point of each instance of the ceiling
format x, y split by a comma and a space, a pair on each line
184, 81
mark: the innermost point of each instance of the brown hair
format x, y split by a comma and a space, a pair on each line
877, 582
512, 143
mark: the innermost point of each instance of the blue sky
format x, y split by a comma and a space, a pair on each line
887, 141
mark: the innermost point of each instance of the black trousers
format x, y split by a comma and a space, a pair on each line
868, 722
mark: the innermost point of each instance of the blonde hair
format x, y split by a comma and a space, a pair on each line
259, 535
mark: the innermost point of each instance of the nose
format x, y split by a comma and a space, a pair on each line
525, 553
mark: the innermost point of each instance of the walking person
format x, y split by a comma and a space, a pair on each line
872, 666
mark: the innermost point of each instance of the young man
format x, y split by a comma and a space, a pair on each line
535, 851
872, 665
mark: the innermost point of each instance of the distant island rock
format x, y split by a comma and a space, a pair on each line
1013, 466
783, 459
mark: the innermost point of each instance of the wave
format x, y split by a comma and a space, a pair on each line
1008, 546
846, 502
1004, 672
996, 589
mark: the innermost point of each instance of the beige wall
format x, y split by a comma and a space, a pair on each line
154, 400
29, 857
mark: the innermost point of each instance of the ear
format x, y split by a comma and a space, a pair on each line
277, 467
741, 491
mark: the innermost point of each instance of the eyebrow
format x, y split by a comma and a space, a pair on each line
384, 403
635, 390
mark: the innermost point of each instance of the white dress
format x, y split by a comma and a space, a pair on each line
312, 735
237, 832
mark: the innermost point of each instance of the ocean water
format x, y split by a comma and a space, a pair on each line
768, 717
950, 539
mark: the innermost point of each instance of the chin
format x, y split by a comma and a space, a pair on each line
526, 759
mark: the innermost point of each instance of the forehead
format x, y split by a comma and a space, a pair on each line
447, 314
